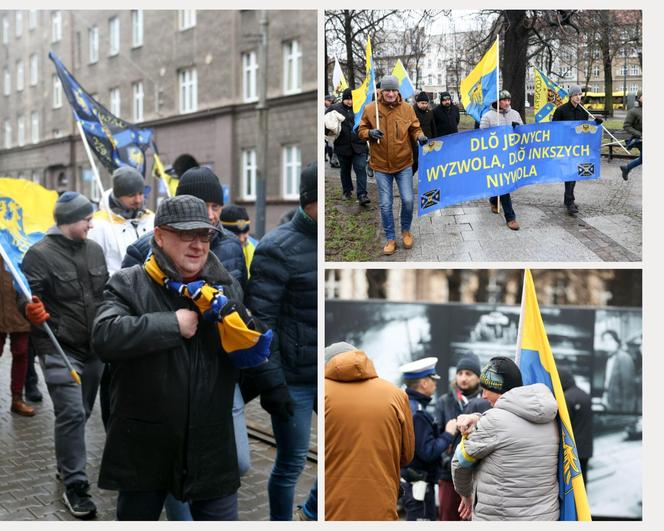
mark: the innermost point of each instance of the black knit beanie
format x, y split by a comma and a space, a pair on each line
422, 96
309, 184
201, 182
500, 375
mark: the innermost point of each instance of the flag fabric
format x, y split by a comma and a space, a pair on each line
159, 171
362, 96
406, 87
478, 89
548, 97
115, 142
338, 79
537, 365
26, 213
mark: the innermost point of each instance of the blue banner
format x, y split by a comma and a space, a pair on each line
488, 162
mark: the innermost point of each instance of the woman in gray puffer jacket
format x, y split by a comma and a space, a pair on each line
509, 463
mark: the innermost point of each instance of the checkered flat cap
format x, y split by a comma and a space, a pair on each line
183, 212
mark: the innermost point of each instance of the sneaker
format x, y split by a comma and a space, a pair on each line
347, 196
390, 247
300, 516
625, 172
513, 224
407, 239
78, 501
364, 200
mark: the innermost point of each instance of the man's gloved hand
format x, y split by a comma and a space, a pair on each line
36, 312
599, 121
514, 124
376, 134
277, 401
422, 139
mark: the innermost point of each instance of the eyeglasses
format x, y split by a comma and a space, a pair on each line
203, 236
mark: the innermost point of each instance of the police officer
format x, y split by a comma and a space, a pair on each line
421, 475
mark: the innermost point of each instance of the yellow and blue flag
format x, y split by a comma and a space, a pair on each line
548, 97
362, 96
115, 142
406, 87
535, 359
478, 89
26, 213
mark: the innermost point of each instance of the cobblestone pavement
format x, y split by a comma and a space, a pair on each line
607, 228
29, 490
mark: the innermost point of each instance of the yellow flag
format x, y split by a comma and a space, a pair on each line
362, 96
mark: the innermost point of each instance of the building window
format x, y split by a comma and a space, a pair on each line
595, 88
292, 67
7, 83
634, 70
429, 79
20, 76
186, 19
440, 79
93, 44
56, 26
595, 71
34, 127
137, 101
290, 171
137, 28
32, 19
34, 69
114, 97
8, 134
249, 74
623, 70
20, 131
634, 88
5, 30
57, 92
114, 36
248, 174
188, 90
19, 24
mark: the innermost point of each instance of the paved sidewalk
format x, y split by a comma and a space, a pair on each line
29, 490
607, 228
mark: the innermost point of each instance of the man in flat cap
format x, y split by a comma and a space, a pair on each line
67, 272
424, 471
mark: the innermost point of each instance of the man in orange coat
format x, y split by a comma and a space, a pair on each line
368, 437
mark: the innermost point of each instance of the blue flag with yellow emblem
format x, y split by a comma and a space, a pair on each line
362, 95
115, 142
535, 359
478, 90
548, 97
26, 213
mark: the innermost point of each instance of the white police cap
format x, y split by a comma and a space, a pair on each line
420, 369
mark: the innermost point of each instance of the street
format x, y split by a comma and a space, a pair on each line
30, 491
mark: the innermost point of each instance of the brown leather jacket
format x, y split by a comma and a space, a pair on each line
400, 126
11, 319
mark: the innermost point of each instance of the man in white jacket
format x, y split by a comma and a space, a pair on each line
506, 466
121, 218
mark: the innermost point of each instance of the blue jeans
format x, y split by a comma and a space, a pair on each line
358, 161
147, 505
177, 511
506, 204
637, 143
292, 437
404, 180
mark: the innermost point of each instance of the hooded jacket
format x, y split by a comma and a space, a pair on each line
114, 233
492, 118
400, 126
509, 463
368, 436
633, 121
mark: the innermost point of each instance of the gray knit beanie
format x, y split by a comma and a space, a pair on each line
71, 207
389, 83
337, 348
574, 90
127, 181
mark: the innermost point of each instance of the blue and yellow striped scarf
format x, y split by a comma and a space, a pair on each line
245, 347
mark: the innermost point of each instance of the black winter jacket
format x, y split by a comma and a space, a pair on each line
579, 407
172, 398
282, 293
427, 122
447, 119
225, 245
347, 143
69, 277
567, 112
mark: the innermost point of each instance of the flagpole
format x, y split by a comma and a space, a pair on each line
519, 335
605, 129
376, 103
498, 96
89, 153
44, 326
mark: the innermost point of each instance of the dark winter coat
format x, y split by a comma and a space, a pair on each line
430, 439
172, 398
567, 112
69, 277
446, 119
11, 320
225, 246
347, 143
633, 122
427, 122
282, 293
579, 407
